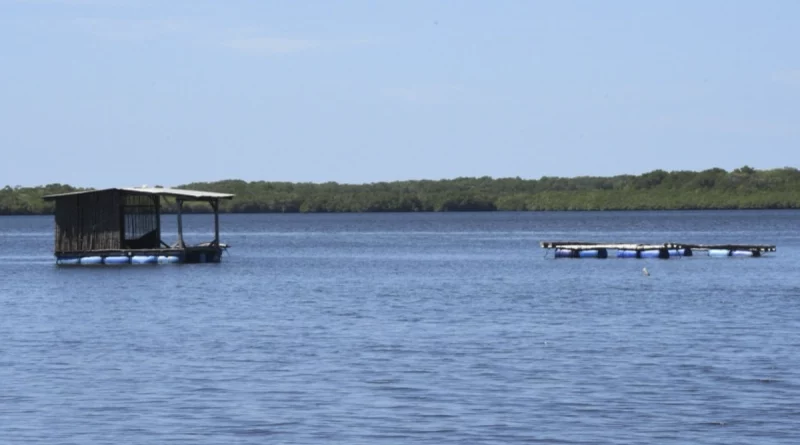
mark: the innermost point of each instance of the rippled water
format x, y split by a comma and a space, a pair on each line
408, 328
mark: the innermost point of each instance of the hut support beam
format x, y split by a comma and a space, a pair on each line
157, 204
181, 244
215, 205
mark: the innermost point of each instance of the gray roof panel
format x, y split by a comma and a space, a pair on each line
186, 195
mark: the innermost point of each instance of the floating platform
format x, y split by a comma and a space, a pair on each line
186, 255
121, 226
580, 249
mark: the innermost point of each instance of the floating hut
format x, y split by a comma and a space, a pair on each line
123, 226
580, 249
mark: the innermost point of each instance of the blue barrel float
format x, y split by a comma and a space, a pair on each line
117, 260
717, 253
91, 260
144, 259
589, 253
563, 253
68, 261
652, 253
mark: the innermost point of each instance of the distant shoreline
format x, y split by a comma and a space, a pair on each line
454, 211
714, 189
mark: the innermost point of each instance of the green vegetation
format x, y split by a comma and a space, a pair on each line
743, 188
28, 200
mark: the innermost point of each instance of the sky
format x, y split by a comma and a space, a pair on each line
101, 93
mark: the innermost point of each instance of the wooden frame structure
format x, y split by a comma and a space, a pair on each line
119, 225
581, 249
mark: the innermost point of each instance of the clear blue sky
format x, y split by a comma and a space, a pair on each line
126, 92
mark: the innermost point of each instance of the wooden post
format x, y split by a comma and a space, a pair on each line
215, 206
121, 206
157, 203
180, 223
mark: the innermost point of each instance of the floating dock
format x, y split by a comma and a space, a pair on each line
119, 226
580, 249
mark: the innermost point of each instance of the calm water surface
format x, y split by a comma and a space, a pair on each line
408, 328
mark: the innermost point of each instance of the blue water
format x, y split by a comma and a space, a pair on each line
408, 328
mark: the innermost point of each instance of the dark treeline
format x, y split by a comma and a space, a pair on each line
743, 188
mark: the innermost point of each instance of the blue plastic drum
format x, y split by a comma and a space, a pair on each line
144, 259
91, 260
649, 254
117, 260
564, 253
68, 261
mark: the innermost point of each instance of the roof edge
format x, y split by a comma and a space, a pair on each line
184, 194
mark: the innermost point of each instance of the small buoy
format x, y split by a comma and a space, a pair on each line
645, 272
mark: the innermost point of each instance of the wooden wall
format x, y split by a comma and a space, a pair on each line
88, 222
107, 220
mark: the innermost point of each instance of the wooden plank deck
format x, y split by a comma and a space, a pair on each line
581, 245
750, 247
570, 245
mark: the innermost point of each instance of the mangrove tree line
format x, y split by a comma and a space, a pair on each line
742, 188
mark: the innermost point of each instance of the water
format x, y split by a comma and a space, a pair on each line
408, 328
